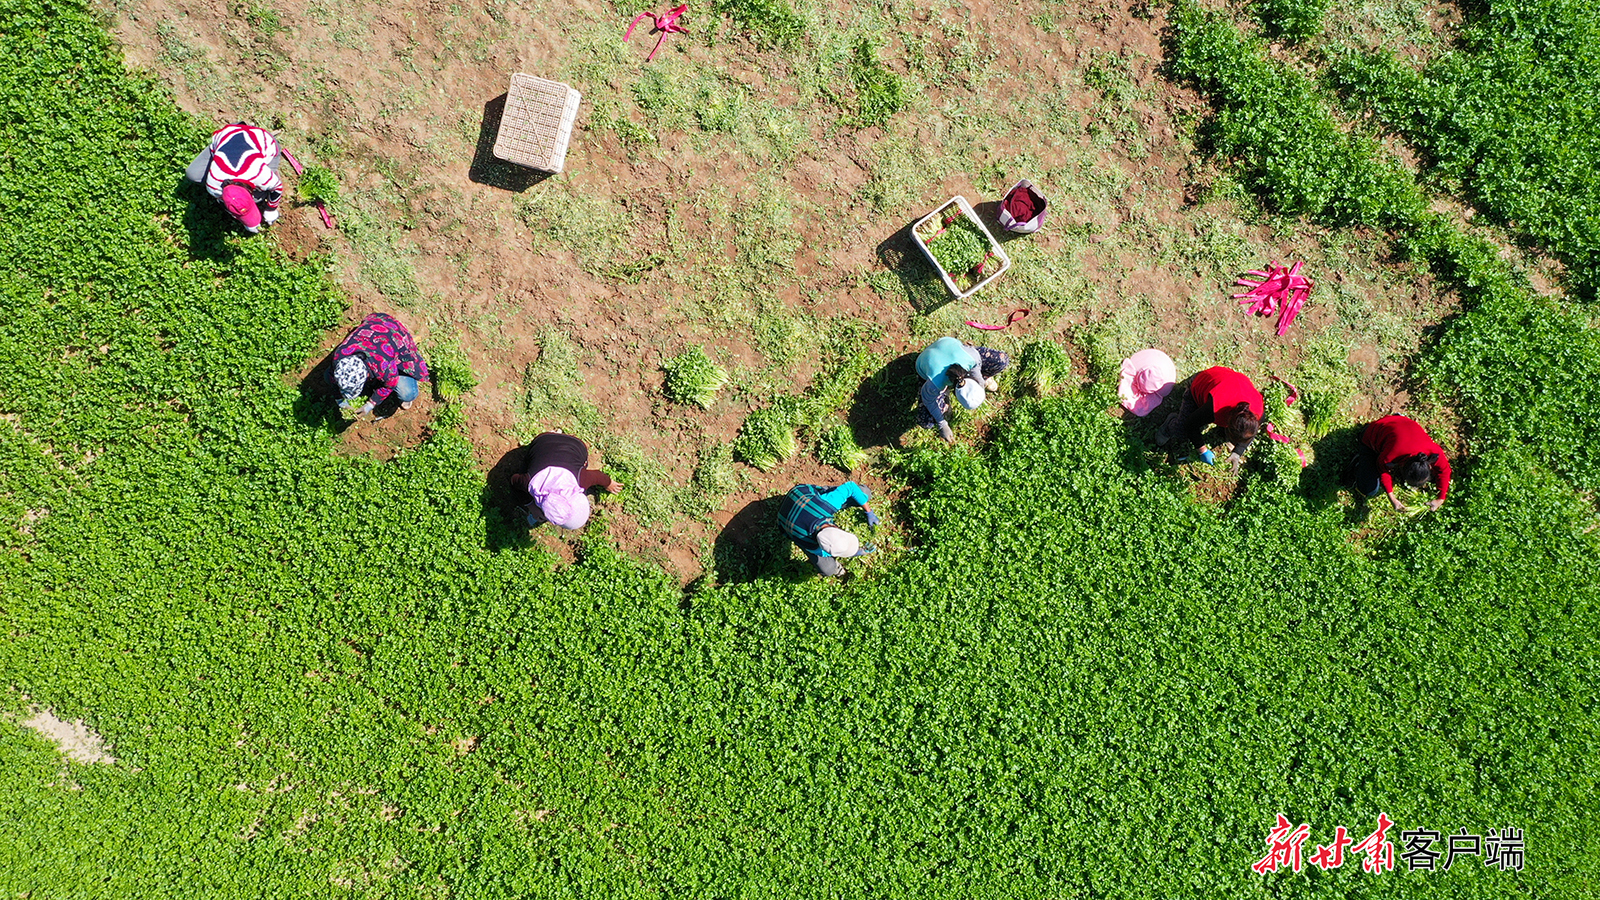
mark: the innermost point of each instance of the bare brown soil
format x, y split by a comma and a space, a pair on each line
399, 99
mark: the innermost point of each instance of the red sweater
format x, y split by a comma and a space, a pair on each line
1221, 390
1395, 438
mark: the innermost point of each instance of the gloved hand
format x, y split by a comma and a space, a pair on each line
872, 517
946, 433
865, 549
1235, 460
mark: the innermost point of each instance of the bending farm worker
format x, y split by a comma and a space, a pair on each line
1397, 447
806, 515
379, 349
1223, 397
554, 484
240, 168
949, 365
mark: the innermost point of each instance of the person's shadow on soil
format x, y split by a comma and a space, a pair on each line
486, 168
505, 528
885, 405
1328, 476
1144, 431
923, 286
205, 222
752, 545
316, 406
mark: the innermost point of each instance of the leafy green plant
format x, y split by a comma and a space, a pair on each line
318, 185
1043, 366
766, 438
1291, 20
960, 247
836, 446
714, 474
552, 392
693, 378
650, 494
880, 93
773, 22
451, 370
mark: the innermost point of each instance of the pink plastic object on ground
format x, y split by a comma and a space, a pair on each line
1294, 394
1282, 290
1015, 316
666, 23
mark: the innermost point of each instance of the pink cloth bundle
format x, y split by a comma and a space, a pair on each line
1282, 290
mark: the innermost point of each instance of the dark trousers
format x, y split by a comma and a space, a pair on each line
1362, 475
827, 565
1192, 422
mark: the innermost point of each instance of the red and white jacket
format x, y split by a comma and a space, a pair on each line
244, 154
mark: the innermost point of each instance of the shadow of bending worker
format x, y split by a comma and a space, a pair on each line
1328, 476
205, 222
503, 526
752, 545
885, 406
924, 288
486, 168
317, 405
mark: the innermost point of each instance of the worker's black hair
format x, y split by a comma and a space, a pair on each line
1417, 471
957, 375
1243, 426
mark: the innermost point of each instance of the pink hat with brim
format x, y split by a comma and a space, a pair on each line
1147, 378
566, 509
241, 204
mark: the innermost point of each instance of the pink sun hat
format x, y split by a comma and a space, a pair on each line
1147, 378
241, 204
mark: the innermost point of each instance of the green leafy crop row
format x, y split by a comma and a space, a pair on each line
1511, 115
1524, 367
1291, 20
1293, 151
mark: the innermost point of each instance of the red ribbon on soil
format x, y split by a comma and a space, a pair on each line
1016, 315
1282, 290
1294, 394
666, 23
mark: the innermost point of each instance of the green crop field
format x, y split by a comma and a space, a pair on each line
1064, 676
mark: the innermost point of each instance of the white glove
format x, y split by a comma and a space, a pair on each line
946, 433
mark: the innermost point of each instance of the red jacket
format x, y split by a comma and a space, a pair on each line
1395, 438
1221, 390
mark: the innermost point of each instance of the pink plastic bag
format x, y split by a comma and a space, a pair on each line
1022, 208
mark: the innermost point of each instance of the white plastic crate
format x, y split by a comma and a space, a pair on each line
936, 217
537, 123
